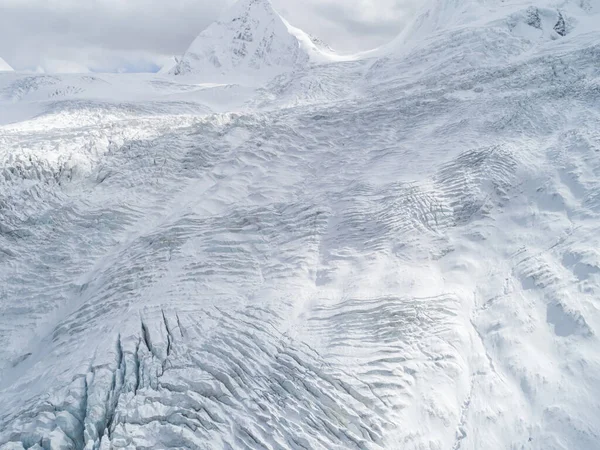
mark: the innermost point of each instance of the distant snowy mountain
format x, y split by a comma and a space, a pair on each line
250, 42
5, 67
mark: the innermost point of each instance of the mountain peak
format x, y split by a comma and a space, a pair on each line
250, 42
247, 5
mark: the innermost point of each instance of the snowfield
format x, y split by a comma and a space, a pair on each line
4, 66
397, 250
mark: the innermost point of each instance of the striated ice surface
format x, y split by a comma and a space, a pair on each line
389, 252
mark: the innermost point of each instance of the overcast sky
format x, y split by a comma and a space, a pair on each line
140, 35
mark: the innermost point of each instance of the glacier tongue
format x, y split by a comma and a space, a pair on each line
396, 252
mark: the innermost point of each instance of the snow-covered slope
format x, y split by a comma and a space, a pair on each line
451, 36
543, 15
399, 253
250, 43
168, 66
4, 66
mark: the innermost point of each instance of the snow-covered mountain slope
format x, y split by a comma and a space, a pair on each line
4, 66
543, 15
250, 43
168, 66
397, 253
455, 35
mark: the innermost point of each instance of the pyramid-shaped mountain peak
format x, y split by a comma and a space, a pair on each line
249, 43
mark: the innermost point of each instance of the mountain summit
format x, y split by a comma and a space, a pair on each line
250, 42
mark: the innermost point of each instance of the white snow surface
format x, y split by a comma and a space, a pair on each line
393, 251
4, 66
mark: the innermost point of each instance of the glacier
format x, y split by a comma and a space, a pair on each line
303, 250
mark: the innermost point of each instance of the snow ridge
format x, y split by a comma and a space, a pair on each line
4, 66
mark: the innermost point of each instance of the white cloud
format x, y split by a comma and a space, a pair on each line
59, 66
113, 35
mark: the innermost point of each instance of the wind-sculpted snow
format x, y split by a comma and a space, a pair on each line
359, 257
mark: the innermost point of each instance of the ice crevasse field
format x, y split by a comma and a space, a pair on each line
270, 245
